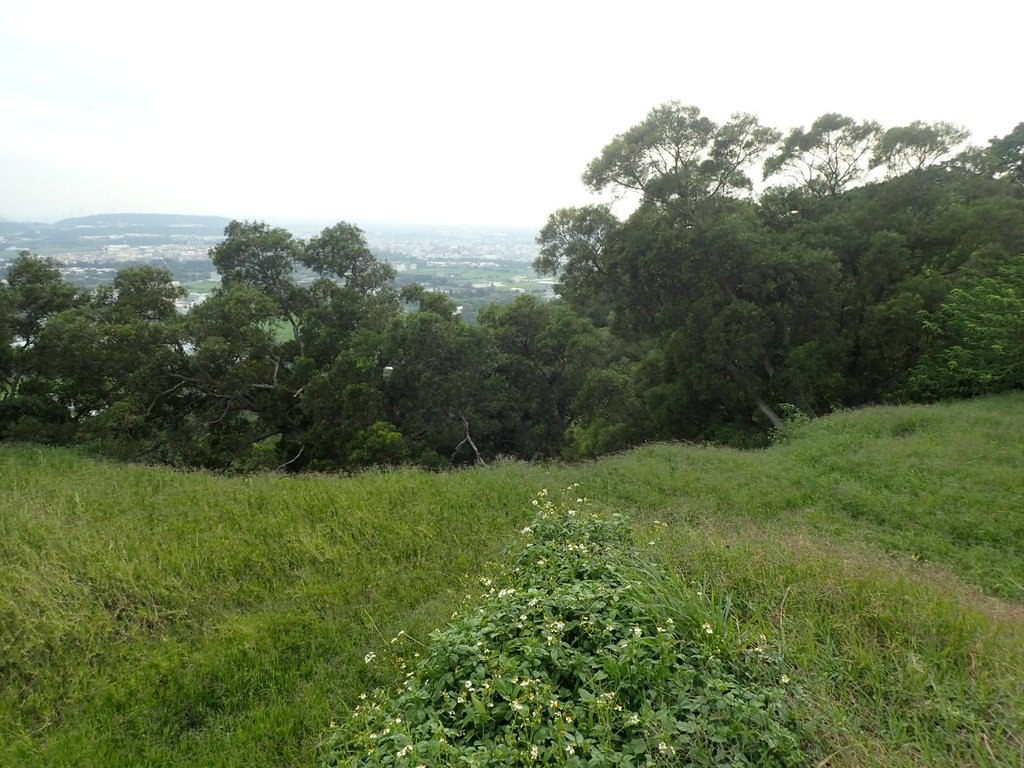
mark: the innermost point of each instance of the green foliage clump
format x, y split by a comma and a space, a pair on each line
974, 342
579, 654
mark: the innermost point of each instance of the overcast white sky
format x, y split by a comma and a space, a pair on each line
441, 111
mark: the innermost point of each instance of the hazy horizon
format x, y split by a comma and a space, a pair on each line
445, 113
293, 221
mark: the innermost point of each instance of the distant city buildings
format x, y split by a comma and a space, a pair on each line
484, 261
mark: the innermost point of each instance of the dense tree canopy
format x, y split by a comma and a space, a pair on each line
884, 264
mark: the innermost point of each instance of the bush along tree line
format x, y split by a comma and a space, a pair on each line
873, 266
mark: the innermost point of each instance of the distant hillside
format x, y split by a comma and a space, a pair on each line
146, 221
110, 229
8, 227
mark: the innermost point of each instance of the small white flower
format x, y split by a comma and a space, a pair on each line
368, 658
784, 679
707, 628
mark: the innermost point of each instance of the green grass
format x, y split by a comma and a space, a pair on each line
203, 286
150, 617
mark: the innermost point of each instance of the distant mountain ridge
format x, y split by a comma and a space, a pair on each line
142, 219
111, 229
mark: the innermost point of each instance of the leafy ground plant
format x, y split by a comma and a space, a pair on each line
571, 658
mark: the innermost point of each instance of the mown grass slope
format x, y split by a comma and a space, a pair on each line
151, 617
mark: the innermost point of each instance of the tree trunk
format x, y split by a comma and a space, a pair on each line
762, 406
467, 439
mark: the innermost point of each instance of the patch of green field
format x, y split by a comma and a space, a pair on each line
466, 282
203, 286
152, 617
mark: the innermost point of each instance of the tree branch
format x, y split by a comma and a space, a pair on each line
467, 439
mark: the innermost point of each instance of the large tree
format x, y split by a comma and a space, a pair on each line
257, 255
546, 353
831, 156
444, 392
680, 158
912, 148
572, 249
33, 292
340, 253
245, 376
1007, 155
112, 343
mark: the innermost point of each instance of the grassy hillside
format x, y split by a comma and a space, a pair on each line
150, 617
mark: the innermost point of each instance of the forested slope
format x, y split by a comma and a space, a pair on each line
877, 265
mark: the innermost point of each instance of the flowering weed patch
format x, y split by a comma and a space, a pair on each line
573, 656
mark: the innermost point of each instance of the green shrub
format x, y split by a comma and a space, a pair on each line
974, 342
579, 653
